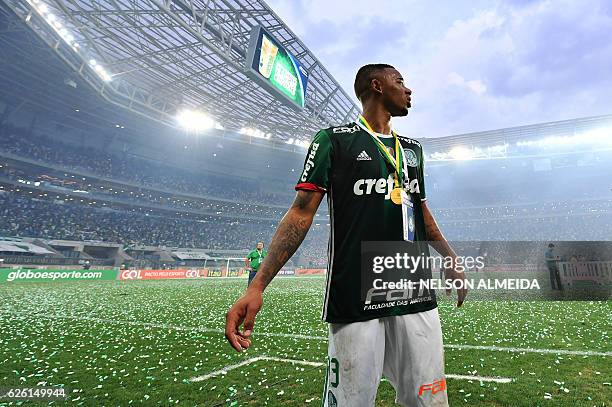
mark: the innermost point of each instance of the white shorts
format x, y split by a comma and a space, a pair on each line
406, 349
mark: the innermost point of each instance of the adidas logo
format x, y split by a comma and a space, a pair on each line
363, 156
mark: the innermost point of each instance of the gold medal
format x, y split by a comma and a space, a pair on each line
396, 162
396, 195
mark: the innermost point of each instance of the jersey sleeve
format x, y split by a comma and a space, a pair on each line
421, 175
317, 166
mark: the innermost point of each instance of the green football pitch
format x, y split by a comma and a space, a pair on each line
161, 343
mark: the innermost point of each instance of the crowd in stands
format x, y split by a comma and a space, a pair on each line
131, 169
79, 188
22, 216
585, 227
229, 215
313, 251
569, 227
526, 211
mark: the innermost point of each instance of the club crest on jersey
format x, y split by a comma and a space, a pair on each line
411, 157
344, 129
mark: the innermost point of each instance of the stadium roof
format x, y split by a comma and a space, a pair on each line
157, 57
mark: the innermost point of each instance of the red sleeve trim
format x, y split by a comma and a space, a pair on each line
309, 186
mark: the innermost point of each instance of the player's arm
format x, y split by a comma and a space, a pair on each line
439, 242
288, 237
247, 262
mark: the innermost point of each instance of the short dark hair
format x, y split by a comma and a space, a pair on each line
364, 77
551, 245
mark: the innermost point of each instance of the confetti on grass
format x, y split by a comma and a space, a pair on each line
131, 364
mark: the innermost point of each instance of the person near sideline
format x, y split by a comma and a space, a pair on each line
254, 260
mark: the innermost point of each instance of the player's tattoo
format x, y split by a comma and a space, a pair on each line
289, 234
303, 199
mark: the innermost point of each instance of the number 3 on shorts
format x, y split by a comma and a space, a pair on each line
333, 372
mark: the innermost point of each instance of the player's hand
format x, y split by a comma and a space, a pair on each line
452, 274
244, 310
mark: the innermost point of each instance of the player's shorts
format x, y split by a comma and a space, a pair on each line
406, 349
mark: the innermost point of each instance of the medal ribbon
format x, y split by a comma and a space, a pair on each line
399, 154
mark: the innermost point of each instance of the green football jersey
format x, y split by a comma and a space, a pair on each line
256, 258
344, 162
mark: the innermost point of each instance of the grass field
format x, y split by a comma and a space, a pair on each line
142, 343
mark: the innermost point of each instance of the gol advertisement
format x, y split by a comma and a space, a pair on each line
160, 274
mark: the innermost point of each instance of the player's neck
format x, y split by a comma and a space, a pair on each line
378, 118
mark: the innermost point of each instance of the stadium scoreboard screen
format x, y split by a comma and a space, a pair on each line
271, 65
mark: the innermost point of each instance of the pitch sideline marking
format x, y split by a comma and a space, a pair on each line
226, 369
323, 338
479, 378
252, 360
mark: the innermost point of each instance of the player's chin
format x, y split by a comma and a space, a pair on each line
403, 111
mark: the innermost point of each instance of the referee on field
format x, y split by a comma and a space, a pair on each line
254, 260
553, 268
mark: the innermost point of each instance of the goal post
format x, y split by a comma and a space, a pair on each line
225, 267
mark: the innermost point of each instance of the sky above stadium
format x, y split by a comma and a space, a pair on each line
472, 66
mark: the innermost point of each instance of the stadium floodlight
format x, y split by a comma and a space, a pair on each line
43, 8
194, 120
105, 76
498, 149
255, 133
595, 136
102, 73
461, 153
302, 143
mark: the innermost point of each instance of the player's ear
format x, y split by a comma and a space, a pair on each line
376, 86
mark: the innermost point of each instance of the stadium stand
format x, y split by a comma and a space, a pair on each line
45, 195
127, 169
